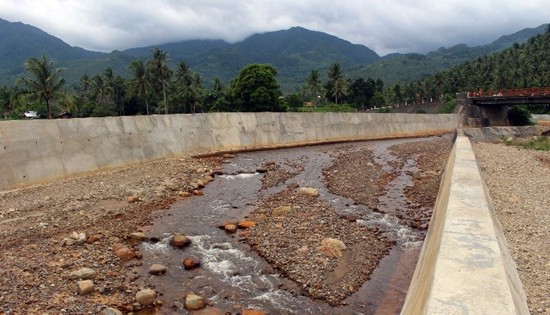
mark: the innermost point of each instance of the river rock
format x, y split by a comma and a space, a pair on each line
110, 311
83, 273
146, 297
124, 253
78, 237
140, 236
281, 211
132, 199
197, 192
184, 194
310, 191
194, 302
231, 227
191, 263
157, 269
332, 247
180, 240
246, 224
249, 311
84, 287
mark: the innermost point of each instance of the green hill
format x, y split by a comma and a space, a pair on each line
294, 52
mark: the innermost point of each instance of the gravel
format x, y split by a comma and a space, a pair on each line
519, 185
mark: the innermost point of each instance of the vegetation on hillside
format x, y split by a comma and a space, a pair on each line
520, 66
160, 84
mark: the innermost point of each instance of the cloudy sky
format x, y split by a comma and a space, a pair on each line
385, 26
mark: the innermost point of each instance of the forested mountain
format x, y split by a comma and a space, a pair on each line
293, 52
409, 67
519, 66
19, 42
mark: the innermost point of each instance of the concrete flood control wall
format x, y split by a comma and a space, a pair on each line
41, 150
465, 266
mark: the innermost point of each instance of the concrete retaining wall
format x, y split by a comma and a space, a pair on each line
490, 134
465, 266
40, 150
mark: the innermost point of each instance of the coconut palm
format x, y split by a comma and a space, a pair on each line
141, 82
45, 83
160, 72
314, 85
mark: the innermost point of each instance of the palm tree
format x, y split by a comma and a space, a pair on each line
160, 72
314, 85
46, 84
338, 85
141, 82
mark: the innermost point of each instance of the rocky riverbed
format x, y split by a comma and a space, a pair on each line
72, 246
519, 185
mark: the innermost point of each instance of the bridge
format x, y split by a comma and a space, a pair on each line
534, 95
490, 108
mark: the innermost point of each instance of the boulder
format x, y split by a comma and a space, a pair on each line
84, 287
310, 191
281, 211
231, 227
157, 269
191, 263
194, 302
83, 274
180, 240
146, 297
332, 247
110, 311
246, 224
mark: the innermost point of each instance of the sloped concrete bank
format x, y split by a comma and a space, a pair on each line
36, 151
465, 266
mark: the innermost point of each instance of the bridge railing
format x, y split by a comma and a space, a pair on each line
535, 91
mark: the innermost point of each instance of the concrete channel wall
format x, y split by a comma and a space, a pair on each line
465, 266
41, 150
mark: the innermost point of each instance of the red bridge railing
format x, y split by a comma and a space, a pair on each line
536, 91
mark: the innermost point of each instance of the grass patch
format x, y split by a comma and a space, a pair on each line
448, 107
541, 143
327, 108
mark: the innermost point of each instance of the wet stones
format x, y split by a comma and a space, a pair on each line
157, 269
191, 263
194, 302
246, 224
180, 240
230, 227
123, 253
146, 297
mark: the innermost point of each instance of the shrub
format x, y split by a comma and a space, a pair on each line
519, 116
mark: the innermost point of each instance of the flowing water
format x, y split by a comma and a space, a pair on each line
233, 277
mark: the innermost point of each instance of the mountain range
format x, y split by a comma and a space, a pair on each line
294, 52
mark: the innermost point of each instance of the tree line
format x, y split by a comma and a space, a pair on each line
155, 88
520, 66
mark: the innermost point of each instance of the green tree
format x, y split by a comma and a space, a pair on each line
141, 82
46, 83
160, 73
314, 87
256, 89
337, 85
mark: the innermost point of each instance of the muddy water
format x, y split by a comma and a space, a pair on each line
232, 277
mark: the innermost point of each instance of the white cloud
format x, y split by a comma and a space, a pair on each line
384, 26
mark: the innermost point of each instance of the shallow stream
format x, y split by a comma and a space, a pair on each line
233, 277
